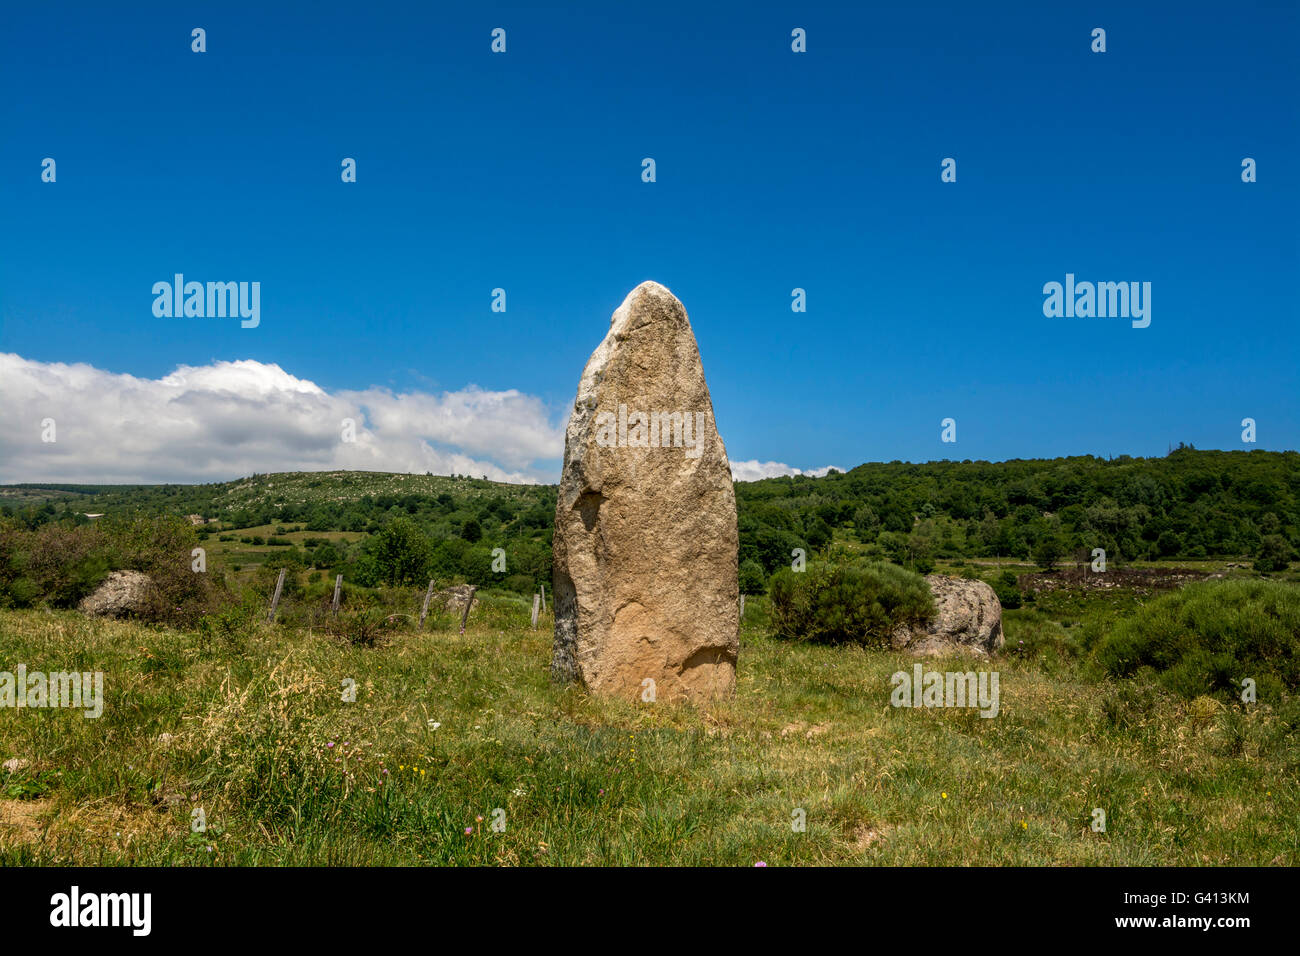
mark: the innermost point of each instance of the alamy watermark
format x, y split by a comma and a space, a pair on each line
924, 688
75, 908
215, 300
71, 689
653, 430
1102, 300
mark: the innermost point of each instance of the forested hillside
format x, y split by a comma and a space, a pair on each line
1189, 504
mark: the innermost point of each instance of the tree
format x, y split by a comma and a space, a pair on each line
401, 553
325, 556
819, 534
1047, 552
752, 578
1274, 553
471, 531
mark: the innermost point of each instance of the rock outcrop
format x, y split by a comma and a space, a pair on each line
968, 620
121, 594
452, 600
645, 585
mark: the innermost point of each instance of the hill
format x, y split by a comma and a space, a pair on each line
1190, 504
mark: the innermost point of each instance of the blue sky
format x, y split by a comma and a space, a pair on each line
775, 170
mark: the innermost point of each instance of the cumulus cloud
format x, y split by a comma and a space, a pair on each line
221, 421
754, 470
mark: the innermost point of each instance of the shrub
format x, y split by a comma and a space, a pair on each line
1274, 553
1207, 637
58, 563
368, 627
326, 555
752, 578
1047, 552
401, 553
1007, 587
520, 584
860, 603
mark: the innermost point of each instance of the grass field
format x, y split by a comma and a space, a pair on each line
248, 724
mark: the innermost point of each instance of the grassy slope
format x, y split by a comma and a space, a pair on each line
810, 727
284, 488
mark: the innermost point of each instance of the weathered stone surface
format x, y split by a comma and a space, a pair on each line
452, 599
121, 593
968, 620
645, 542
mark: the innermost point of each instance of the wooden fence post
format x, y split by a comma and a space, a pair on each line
536, 600
338, 589
465, 614
543, 598
428, 594
275, 601
742, 606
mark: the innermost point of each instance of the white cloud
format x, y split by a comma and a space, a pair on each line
754, 470
228, 419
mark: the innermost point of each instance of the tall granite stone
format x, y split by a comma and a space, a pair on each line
645, 543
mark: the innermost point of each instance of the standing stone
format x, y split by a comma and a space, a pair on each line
645, 584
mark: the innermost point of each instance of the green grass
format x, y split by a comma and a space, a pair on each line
586, 781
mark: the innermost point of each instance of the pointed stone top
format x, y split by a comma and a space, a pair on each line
654, 290
650, 286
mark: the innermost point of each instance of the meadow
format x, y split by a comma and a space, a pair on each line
450, 734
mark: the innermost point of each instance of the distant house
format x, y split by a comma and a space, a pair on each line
196, 519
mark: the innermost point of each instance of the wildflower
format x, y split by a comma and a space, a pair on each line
330, 745
479, 819
760, 863
469, 831
944, 795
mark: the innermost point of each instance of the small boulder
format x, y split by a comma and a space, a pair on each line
121, 594
967, 620
452, 599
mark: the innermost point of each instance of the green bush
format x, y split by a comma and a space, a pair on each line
59, 563
1208, 637
752, 578
860, 603
401, 553
1274, 553
1007, 587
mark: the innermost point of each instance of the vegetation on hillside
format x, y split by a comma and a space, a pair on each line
1188, 505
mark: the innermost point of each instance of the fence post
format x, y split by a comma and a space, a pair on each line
543, 598
275, 601
428, 594
536, 600
338, 589
742, 606
465, 614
